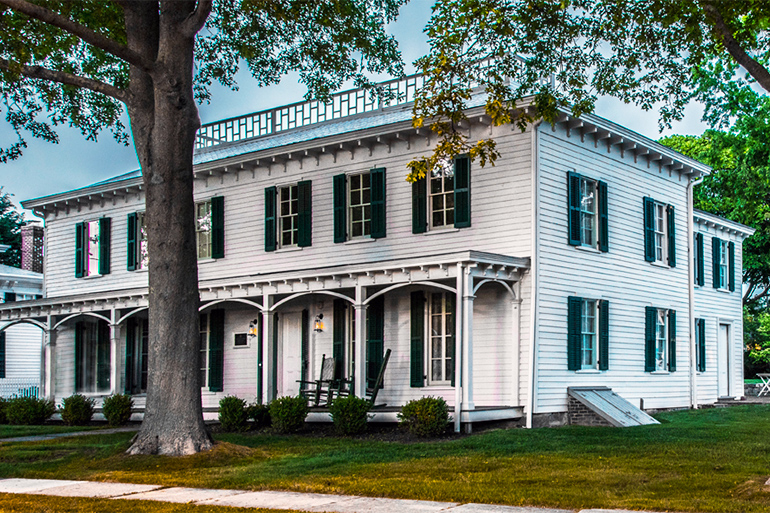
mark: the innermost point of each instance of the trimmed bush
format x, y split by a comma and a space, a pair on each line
28, 410
287, 414
116, 408
77, 410
3, 403
259, 414
425, 417
350, 415
232, 414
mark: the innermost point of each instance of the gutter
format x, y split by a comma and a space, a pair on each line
691, 290
534, 270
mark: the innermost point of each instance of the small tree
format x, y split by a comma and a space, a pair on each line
11, 222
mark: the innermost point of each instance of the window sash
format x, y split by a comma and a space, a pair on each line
588, 335
441, 208
288, 216
440, 340
661, 232
661, 340
588, 212
91, 267
359, 205
142, 256
723, 265
204, 350
203, 229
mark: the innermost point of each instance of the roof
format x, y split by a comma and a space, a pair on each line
704, 218
6, 271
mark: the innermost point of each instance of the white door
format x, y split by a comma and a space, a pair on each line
723, 361
290, 353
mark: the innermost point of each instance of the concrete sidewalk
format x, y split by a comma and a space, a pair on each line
264, 499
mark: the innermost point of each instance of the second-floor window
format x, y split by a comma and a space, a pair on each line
443, 198
210, 228
359, 205
288, 216
588, 220
92, 247
138, 257
441, 205
659, 233
723, 264
203, 229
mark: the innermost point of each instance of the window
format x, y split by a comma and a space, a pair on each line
443, 198
359, 205
92, 357
136, 356
136, 245
441, 338
700, 344
211, 350
92, 248
241, 340
210, 228
288, 216
588, 220
659, 233
660, 340
587, 334
203, 359
724, 264
698, 266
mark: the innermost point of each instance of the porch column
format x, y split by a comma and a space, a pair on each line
467, 352
49, 360
114, 334
516, 345
459, 346
359, 382
268, 350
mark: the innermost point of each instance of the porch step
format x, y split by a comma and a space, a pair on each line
610, 407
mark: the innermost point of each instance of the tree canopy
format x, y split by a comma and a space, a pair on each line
11, 222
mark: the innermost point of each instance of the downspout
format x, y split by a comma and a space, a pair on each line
691, 289
533, 271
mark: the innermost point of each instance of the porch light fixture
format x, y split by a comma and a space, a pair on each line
318, 325
253, 328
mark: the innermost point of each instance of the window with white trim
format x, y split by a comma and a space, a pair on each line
661, 233
441, 207
204, 350
661, 340
288, 216
92, 357
588, 212
203, 224
142, 257
441, 344
92, 237
359, 205
589, 353
723, 263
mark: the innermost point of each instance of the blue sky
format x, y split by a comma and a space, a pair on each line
52, 168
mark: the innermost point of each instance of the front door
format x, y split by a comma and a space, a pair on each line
723, 366
290, 353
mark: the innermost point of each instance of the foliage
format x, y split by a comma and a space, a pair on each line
350, 415
425, 417
259, 414
3, 404
77, 410
28, 410
287, 414
11, 222
116, 408
232, 413
756, 336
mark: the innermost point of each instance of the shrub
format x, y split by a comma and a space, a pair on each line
350, 415
424, 417
117, 409
259, 414
232, 413
3, 403
77, 410
28, 410
287, 414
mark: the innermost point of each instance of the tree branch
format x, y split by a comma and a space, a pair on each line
86, 34
755, 69
61, 77
197, 19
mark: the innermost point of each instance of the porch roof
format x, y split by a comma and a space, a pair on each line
423, 268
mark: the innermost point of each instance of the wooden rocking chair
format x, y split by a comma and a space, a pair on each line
314, 391
346, 386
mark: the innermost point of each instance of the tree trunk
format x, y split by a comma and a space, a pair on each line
164, 121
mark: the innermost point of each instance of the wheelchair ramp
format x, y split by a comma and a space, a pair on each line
610, 407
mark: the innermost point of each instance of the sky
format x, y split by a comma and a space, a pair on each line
46, 168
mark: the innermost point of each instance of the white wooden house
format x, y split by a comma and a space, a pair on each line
566, 264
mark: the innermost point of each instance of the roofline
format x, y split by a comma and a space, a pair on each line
706, 218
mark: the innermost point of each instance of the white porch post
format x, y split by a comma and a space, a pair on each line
360, 349
49, 360
467, 382
268, 350
459, 346
516, 346
114, 334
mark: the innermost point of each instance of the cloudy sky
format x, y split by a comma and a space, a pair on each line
49, 169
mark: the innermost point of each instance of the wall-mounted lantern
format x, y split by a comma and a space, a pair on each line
253, 330
318, 326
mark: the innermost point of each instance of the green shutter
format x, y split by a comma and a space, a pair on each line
731, 264
604, 221
216, 350
339, 200
305, 214
379, 218
671, 235
338, 337
573, 208
129, 366
650, 319
105, 241
417, 340
604, 335
574, 305
649, 230
2, 354
79, 242
672, 340
218, 227
462, 192
420, 206
78, 355
701, 344
304, 346
143, 355
270, 228
699, 267
716, 244
103, 356
375, 316
131, 243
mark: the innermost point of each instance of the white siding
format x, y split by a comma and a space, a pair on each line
23, 346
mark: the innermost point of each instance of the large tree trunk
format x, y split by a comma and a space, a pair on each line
164, 121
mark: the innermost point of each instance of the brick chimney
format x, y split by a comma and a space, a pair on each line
32, 247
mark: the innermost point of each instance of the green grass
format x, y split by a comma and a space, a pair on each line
7, 431
705, 460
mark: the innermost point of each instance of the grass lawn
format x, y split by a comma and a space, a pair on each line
705, 460
7, 431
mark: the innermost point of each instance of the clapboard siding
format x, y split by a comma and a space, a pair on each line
23, 346
621, 276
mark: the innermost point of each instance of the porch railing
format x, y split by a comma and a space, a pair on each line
10, 388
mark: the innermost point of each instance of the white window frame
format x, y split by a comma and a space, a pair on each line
660, 221
248, 340
695, 257
203, 346
442, 175
589, 334
589, 195
142, 256
290, 218
91, 248
724, 265
661, 340
203, 224
446, 341
360, 205
140, 334
697, 344
89, 367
